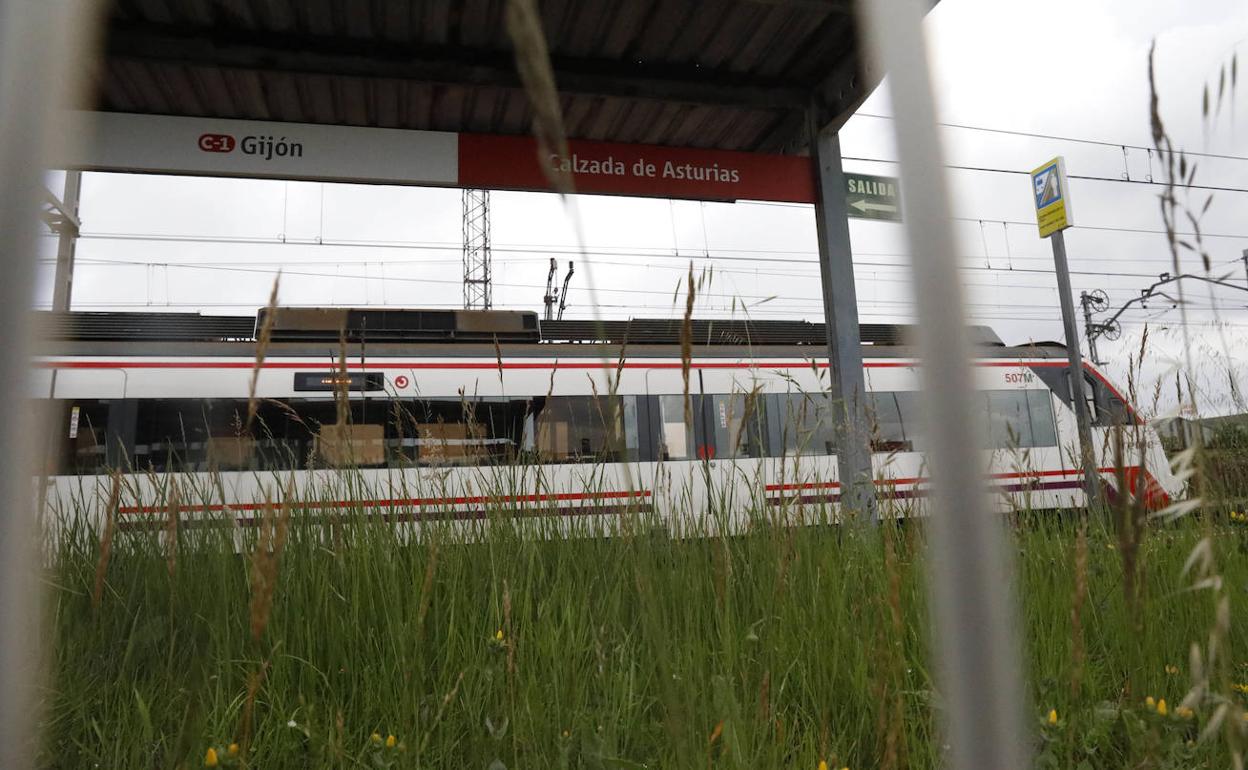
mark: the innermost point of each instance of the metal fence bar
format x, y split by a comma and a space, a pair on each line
978, 663
40, 45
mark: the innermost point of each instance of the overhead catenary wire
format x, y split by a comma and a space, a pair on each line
660, 292
778, 260
282, 240
1071, 139
1083, 177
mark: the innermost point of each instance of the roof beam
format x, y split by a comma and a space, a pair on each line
839, 6
243, 50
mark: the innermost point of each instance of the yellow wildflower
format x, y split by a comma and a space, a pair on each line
376, 738
1161, 707
210, 757
1052, 716
1183, 712
1240, 688
232, 750
1151, 703
823, 764
391, 741
498, 635
1171, 669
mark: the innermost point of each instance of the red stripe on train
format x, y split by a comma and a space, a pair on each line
396, 502
924, 480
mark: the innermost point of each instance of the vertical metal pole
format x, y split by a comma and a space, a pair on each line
1090, 486
979, 669
66, 244
840, 314
41, 47
1086, 303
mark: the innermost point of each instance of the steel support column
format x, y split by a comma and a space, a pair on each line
66, 243
840, 313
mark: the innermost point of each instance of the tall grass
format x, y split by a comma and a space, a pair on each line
523, 647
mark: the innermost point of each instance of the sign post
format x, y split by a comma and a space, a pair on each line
1053, 215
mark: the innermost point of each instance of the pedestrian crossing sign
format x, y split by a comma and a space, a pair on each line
1048, 188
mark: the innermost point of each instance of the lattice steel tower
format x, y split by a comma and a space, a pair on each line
477, 292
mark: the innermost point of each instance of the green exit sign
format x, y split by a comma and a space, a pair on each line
873, 197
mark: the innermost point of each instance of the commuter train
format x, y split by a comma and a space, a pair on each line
450, 415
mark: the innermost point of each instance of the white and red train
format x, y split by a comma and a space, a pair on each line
450, 415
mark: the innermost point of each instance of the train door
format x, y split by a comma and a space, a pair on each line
733, 446
680, 475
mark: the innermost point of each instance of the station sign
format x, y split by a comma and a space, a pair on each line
297, 151
513, 163
1051, 198
872, 197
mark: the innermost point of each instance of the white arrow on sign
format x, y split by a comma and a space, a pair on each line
864, 206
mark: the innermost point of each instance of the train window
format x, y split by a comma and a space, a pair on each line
584, 429
735, 425
82, 437
677, 441
351, 445
173, 434
464, 431
1043, 426
806, 425
888, 414
1017, 419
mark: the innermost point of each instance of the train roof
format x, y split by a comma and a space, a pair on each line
439, 332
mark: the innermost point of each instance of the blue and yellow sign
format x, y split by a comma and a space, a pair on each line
1048, 188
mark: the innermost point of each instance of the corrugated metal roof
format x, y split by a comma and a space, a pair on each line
729, 74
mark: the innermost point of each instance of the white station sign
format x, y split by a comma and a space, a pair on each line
246, 148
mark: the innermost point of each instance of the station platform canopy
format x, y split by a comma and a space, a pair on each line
695, 99
715, 74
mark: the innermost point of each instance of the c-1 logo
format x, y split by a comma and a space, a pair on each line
401, 382
216, 143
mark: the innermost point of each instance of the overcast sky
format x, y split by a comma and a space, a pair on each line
1071, 68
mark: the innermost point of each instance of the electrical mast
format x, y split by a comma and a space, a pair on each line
477, 290
549, 298
563, 295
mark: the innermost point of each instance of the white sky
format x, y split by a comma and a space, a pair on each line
1075, 68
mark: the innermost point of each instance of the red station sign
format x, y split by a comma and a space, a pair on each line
514, 163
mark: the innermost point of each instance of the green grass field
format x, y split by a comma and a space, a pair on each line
781, 647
